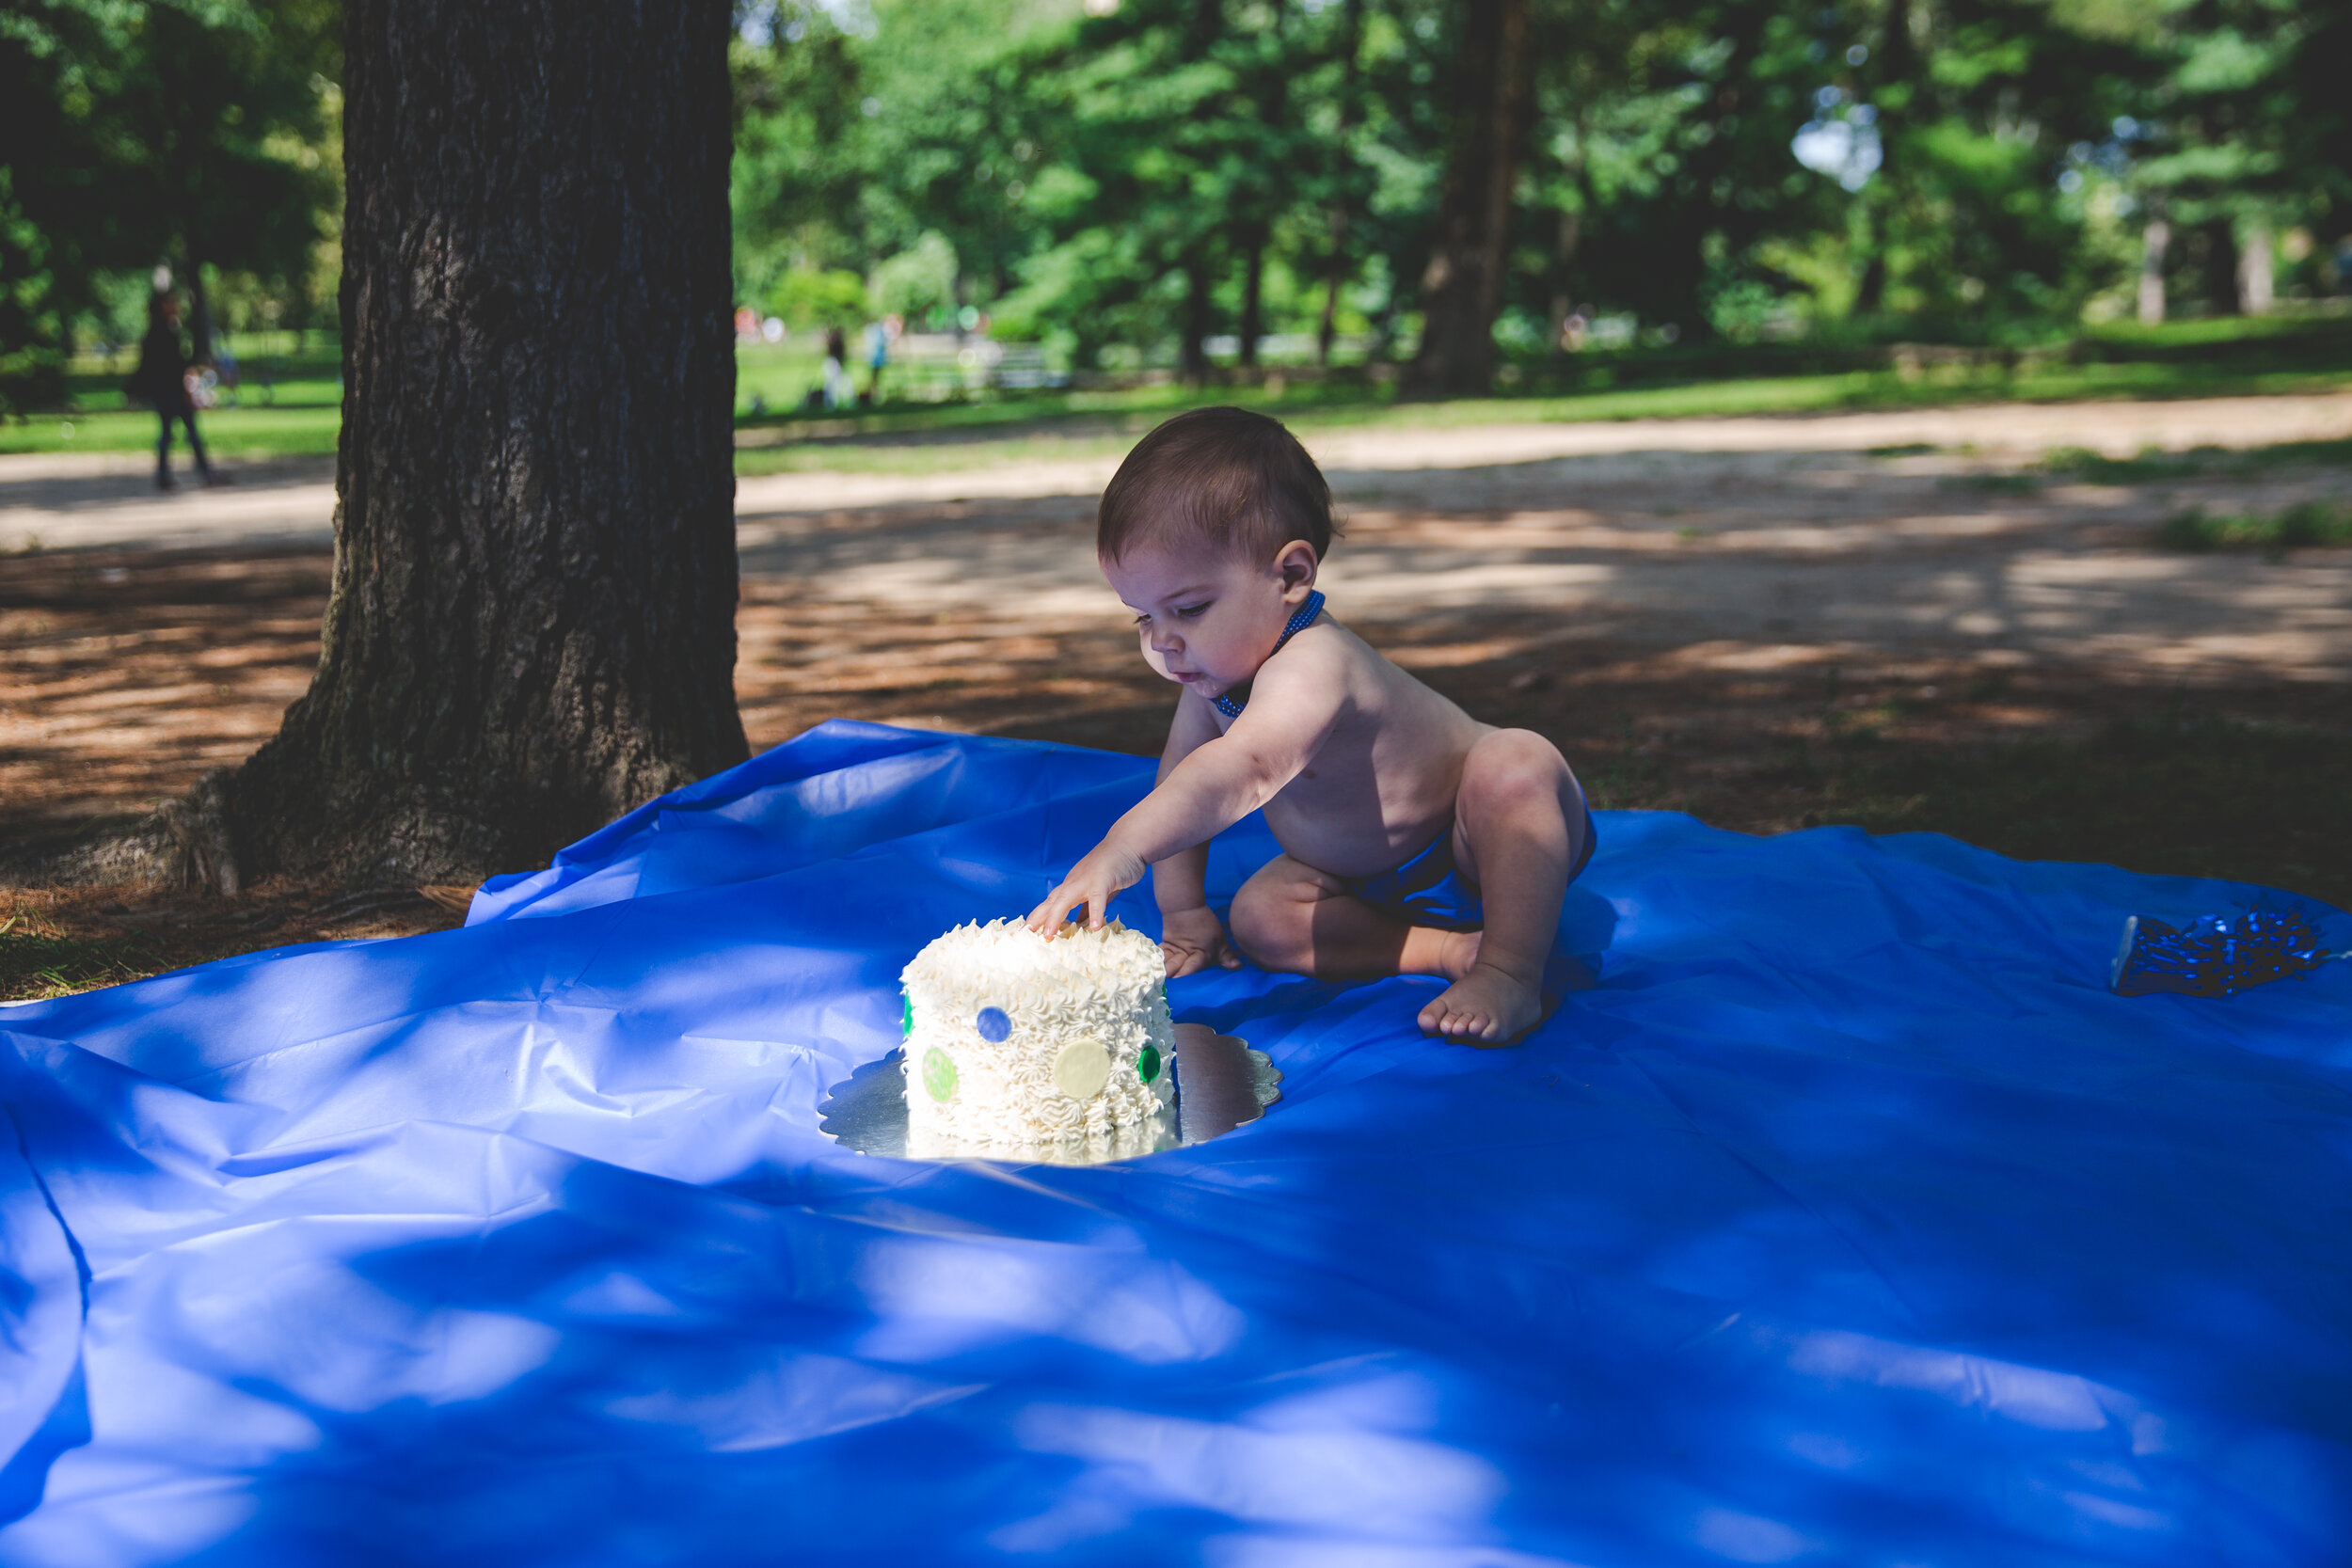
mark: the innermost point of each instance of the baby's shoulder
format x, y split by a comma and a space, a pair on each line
1330, 664
1323, 652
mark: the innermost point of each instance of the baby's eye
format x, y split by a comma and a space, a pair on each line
1190, 611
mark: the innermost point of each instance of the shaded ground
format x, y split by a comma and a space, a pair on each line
1992, 643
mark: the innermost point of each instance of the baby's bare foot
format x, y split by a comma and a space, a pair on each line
1484, 1006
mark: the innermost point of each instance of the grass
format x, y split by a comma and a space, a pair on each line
2155, 466
2210, 798
300, 413
2306, 523
39, 959
1080, 424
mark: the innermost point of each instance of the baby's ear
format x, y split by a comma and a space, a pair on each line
1296, 564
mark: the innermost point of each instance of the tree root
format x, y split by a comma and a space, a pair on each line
185, 843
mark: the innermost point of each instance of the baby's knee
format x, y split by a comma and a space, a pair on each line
1272, 919
1509, 766
1264, 923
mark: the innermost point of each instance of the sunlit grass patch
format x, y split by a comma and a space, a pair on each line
2300, 526
2150, 464
247, 434
2154, 465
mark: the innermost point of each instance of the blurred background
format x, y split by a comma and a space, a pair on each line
1010, 199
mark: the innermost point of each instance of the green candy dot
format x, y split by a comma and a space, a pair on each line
939, 1074
1147, 1063
906, 1018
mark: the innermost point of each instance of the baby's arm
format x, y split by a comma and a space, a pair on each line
1214, 785
1191, 935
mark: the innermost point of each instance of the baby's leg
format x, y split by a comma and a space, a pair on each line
1519, 825
1294, 918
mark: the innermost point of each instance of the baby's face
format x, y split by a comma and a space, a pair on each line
1208, 623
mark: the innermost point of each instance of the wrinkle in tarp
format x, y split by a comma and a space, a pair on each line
1844, 1218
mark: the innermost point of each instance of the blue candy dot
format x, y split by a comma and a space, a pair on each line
992, 1024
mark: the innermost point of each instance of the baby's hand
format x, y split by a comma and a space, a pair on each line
1090, 885
1192, 939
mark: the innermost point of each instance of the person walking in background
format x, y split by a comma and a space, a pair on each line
878, 335
162, 379
838, 390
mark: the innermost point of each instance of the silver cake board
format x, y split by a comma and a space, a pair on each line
1220, 1085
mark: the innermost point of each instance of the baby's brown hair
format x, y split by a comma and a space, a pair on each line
1224, 479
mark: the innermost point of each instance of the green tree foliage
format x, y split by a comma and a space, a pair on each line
1139, 179
1152, 172
139, 132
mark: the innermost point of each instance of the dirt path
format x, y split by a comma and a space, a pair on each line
84, 501
1776, 554
1670, 547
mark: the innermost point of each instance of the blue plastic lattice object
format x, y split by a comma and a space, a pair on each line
2216, 954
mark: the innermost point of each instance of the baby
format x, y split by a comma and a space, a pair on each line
1416, 840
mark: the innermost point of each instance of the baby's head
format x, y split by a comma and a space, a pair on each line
1215, 482
1213, 532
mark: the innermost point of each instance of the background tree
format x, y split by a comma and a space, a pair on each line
1128, 183
1461, 288
531, 622
140, 132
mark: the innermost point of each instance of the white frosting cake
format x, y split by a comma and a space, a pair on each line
1017, 1041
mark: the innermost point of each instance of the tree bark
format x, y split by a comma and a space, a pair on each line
531, 625
200, 314
1351, 48
1463, 285
1327, 326
1897, 71
1564, 244
1253, 300
1201, 26
2154, 240
1193, 362
2254, 266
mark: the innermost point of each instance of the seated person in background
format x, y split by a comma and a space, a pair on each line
1416, 840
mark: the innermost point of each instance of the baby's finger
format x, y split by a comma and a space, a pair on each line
1229, 958
1048, 915
1098, 909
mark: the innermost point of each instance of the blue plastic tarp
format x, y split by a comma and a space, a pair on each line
1847, 1219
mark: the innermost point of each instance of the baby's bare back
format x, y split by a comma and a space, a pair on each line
1380, 788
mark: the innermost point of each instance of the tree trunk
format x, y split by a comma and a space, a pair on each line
1898, 66
532, 627
199, 316
1194, 364
2254, 280
1351, 47
1463, 284
1570, 235
2154, 241
1327, 329
1252, 301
